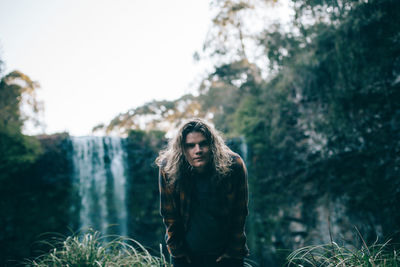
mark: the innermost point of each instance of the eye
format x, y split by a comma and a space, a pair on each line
190, 145
203, 144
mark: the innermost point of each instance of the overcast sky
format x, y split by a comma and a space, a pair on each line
97, 58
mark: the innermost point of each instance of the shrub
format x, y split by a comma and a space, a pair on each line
332, 255
90, 249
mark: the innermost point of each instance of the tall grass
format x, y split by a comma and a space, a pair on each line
90, 249
334, 255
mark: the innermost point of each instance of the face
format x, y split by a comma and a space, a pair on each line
197, 151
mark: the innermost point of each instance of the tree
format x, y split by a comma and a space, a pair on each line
16, 149
156, 115
18, 102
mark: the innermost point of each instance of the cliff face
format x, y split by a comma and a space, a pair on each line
321, 222
317, 219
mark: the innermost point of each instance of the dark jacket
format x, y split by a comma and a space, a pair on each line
175, 210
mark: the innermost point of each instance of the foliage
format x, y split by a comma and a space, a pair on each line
36, 198
16, 150
18, 95
323, 126
18, 154
345, 79
227, 36
376, 255
224, 89
91, 249
156, 115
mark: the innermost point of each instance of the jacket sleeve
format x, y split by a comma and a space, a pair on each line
237, 247
169, 211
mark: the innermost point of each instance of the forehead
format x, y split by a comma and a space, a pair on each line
194, 137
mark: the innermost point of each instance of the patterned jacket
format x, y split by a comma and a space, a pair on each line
175, 210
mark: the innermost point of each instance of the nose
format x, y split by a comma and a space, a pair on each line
198, 149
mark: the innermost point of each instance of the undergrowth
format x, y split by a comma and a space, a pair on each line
90, 249
334, 255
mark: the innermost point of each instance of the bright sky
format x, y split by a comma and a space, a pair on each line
97, 58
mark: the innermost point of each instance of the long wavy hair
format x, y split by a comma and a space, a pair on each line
172, 159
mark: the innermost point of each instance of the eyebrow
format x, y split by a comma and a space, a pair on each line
203, 142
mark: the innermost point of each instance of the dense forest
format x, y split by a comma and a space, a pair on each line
320, 116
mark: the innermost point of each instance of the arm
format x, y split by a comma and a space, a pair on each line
171, 218
237, 247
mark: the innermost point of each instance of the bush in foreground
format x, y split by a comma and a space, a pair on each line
332, 255
91, 249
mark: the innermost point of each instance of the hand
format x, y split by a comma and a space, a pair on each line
223, 256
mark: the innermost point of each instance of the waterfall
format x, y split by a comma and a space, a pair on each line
244, 149
99, 165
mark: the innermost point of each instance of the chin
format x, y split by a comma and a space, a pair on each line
198, 165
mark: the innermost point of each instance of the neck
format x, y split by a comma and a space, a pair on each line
202, 170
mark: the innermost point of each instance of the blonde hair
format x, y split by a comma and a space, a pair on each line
172, 160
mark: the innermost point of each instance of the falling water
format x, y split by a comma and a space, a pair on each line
244, 149
99, 164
